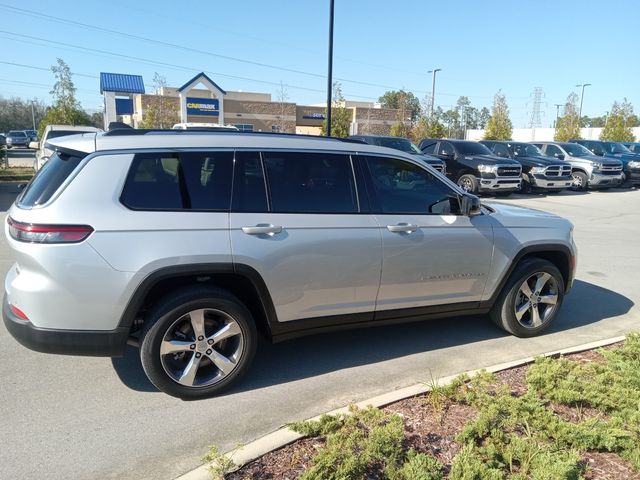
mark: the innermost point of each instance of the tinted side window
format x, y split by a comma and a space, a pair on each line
49, 179
428, 147
310, 182
249, 192
185, 181
402, 187
501, 150
552, 150
445, 148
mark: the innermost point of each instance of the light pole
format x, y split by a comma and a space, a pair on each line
581, 99
557, 105
433, 88
330, 68
33, 116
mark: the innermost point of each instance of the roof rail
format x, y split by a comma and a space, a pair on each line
118, 132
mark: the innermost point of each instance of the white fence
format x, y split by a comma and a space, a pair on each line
544, 134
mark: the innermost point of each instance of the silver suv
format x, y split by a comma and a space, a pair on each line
189, 243
587, 169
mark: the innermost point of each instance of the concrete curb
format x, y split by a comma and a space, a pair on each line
284, 436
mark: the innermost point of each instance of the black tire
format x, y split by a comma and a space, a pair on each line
525, 185
171, 317
503, 194
580, 181
503, 312
468, 182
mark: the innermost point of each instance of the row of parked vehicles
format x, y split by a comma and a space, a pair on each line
18, 138
504, 167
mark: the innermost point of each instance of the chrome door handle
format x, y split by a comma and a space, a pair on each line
402, 228
262, 229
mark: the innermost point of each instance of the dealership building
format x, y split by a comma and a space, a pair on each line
202, 100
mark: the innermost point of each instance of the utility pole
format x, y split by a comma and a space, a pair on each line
557, 105
582, 98
433, 88
33, 116
330, 68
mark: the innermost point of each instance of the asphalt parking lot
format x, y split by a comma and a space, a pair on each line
68, 417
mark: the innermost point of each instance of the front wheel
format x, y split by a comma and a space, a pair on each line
469, 183
197, 342
580, 181
531, 298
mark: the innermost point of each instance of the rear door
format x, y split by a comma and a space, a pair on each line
297, 220
431, 254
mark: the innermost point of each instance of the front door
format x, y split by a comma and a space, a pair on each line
431, 254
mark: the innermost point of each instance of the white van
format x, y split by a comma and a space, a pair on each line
54, 131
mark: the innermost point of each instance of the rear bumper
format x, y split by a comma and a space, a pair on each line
96, 343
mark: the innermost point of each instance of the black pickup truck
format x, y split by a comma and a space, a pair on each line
539, 172
472, 166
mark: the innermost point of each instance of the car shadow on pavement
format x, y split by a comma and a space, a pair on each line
319, 354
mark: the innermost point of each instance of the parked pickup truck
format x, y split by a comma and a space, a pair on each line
404, 145
630, 160
538, 171
474, 167
587, 170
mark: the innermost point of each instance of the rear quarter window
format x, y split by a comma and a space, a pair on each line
50, 177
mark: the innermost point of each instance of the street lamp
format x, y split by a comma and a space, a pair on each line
582, 98
433, 88
330, 68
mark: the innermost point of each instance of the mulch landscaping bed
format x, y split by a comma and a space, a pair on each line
433, 424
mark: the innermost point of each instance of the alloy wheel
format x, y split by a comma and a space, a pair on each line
536, 300
201, 347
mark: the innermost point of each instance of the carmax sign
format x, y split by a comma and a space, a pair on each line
203, 106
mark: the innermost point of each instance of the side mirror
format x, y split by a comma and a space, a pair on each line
470, 205
559, 156
34, 145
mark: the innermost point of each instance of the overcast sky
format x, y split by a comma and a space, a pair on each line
253, 45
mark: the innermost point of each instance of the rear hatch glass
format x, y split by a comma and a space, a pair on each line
49, 178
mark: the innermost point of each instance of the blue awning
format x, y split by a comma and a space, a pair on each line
121, 83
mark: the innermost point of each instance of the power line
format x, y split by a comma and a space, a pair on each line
131, 58
162, 43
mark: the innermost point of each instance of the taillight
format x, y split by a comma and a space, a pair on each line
18, 313
26, 232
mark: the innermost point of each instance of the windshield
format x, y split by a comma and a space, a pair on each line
527, 150
576, 150
615, 147
472, 148
17, 134
401, 144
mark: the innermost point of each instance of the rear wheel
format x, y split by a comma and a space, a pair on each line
580, 181
531, 298
197, 342
469, 183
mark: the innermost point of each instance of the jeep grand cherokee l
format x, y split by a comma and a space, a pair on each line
189, 243
474, 167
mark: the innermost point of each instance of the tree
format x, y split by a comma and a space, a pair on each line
283, 97
499, 126
400, 129
161, 111
66, 109
401, 100
568, 125
618, 124
340, 116
20, 113
426, 128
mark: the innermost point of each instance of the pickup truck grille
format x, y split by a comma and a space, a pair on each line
558, 171
610, 170
509, 171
